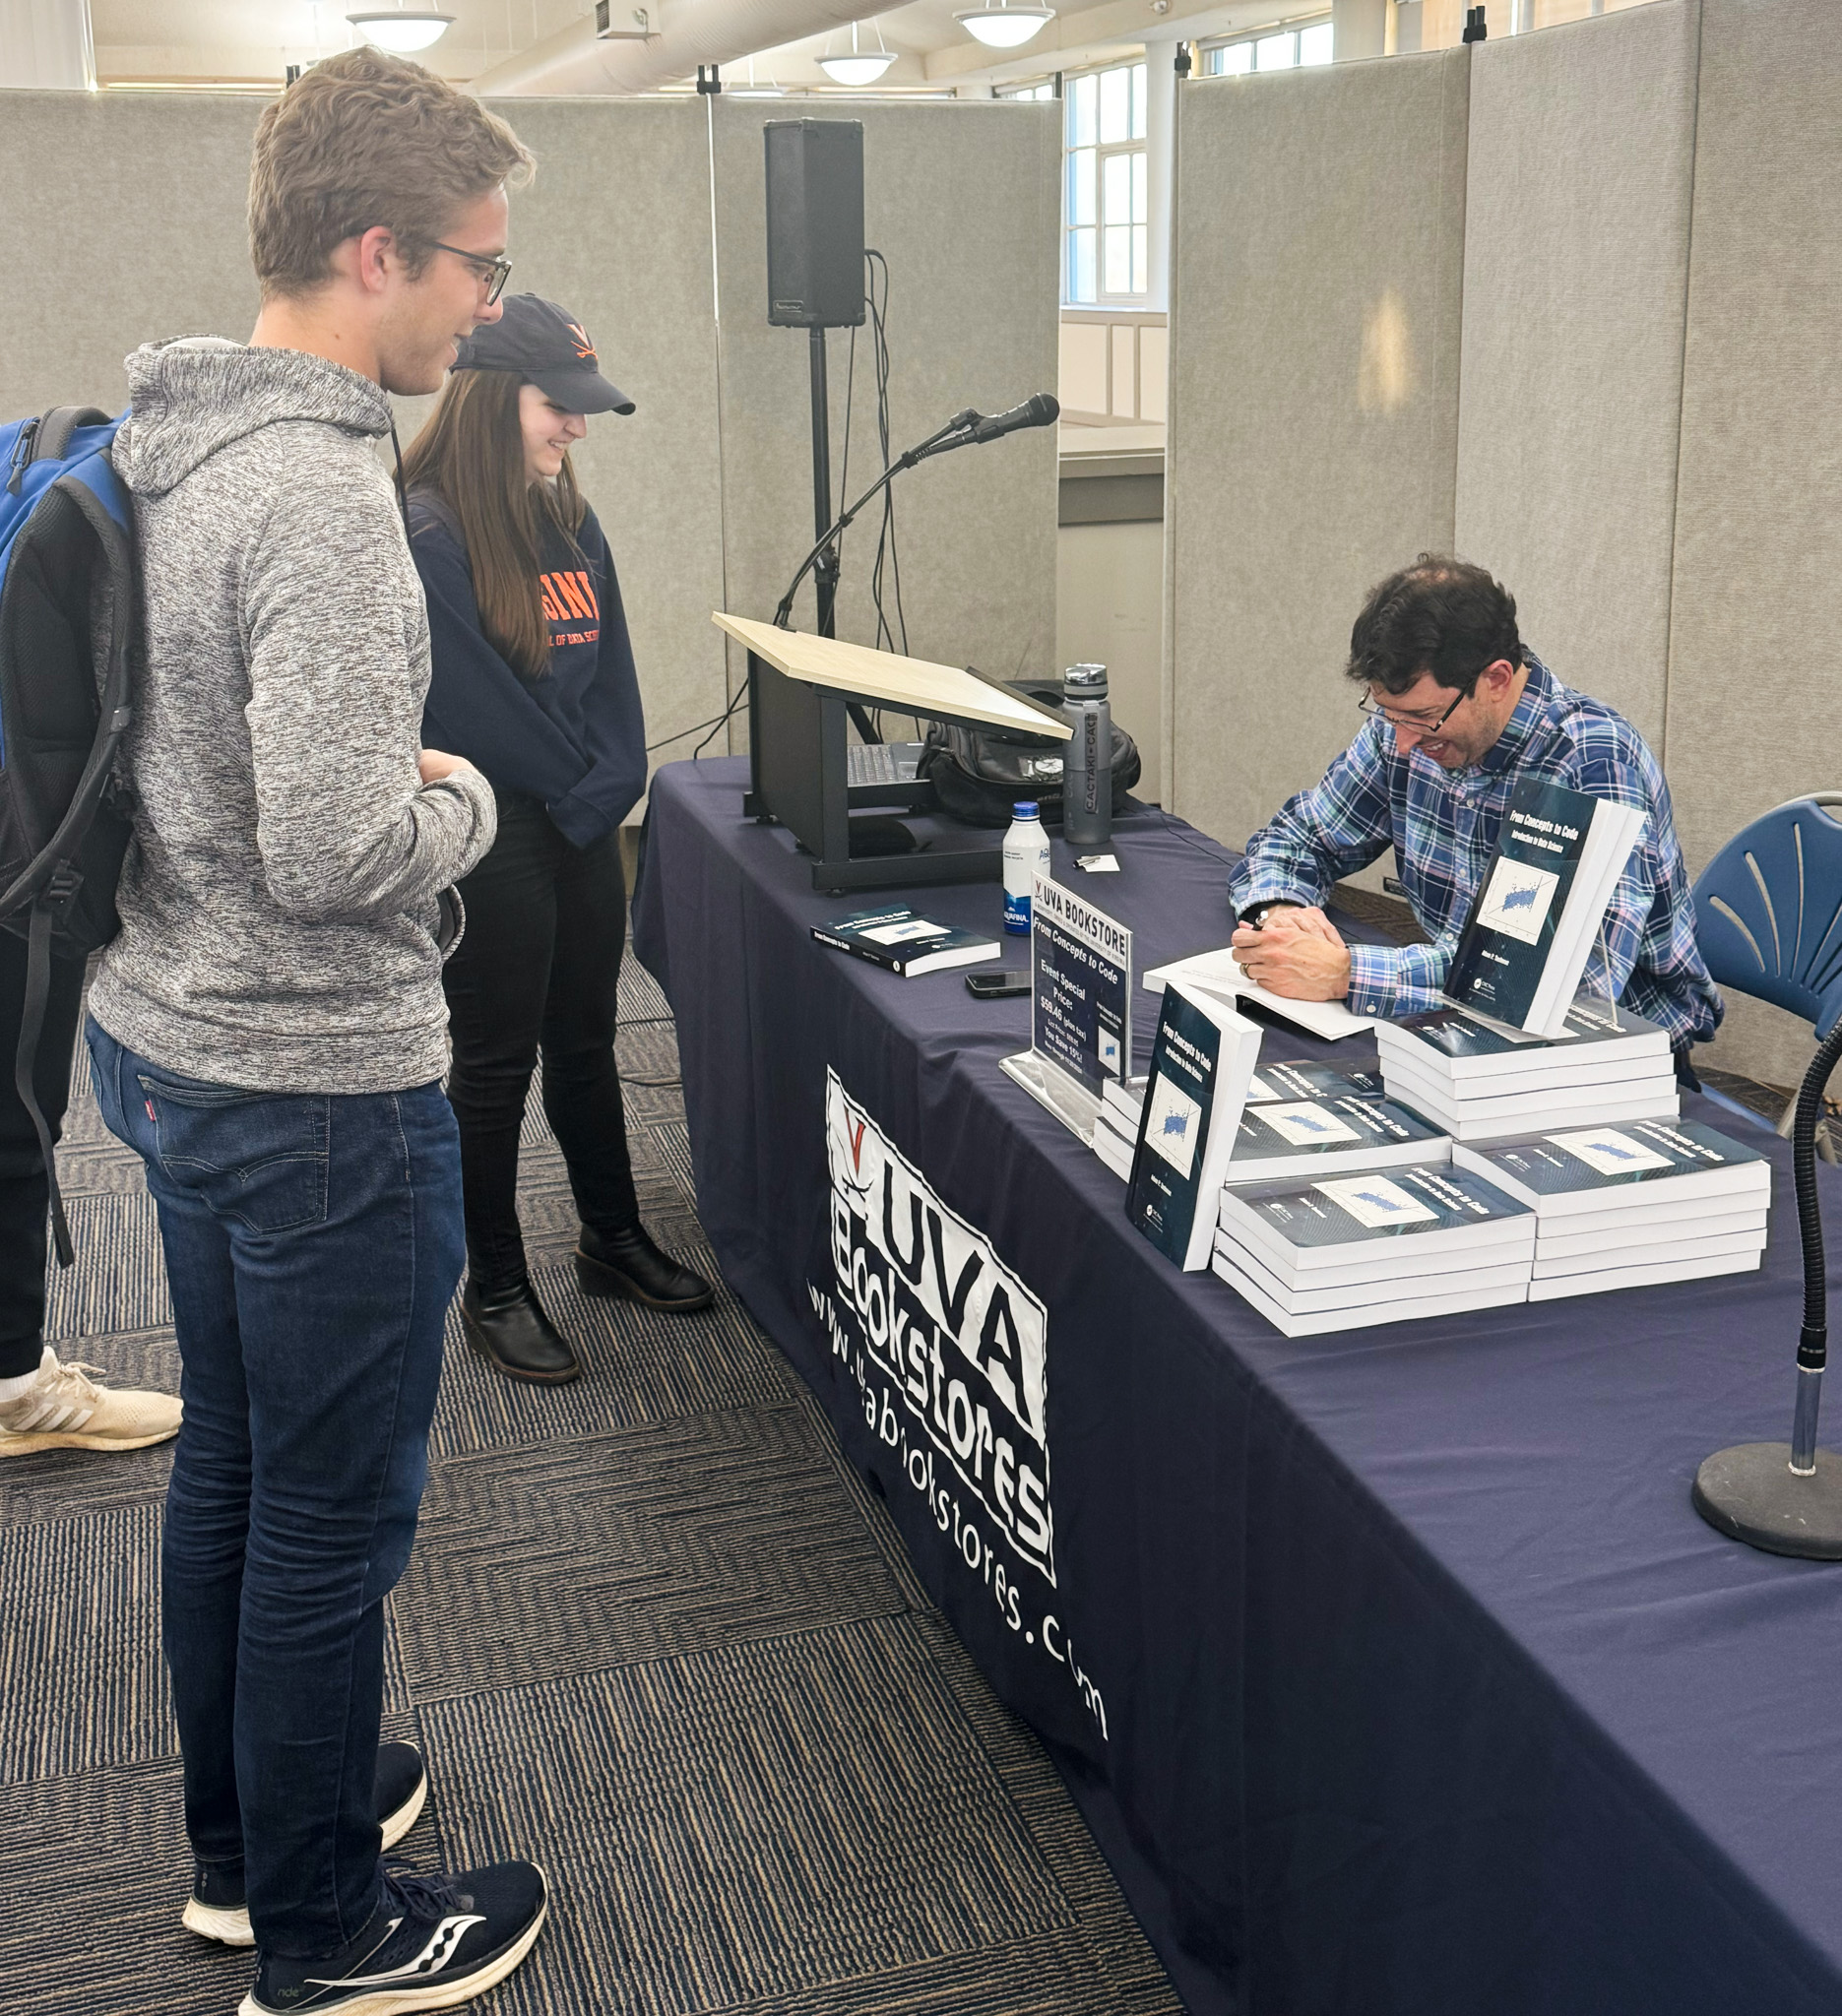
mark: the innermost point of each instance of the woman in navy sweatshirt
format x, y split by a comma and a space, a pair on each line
533, 684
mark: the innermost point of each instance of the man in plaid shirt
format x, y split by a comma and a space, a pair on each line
1458, 712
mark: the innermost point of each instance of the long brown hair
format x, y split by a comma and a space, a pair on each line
471, 452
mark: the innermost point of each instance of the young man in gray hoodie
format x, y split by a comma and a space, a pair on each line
269, 1029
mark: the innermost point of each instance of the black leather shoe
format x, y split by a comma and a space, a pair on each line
629, 1264
508, 1326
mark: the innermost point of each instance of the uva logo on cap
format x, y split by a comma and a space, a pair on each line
583, 348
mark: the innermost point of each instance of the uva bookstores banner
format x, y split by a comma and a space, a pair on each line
948, 1349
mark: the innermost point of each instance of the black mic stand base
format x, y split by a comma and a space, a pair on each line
1751, 1493
1786, 1498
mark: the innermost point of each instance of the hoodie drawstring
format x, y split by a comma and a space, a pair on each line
403, 495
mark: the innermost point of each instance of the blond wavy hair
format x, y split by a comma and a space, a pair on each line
364, 139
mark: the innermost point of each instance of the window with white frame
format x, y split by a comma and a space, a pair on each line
1106, 201
1269, 49
1044, 90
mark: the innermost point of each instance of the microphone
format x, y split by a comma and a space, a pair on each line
1038, 411
963, 430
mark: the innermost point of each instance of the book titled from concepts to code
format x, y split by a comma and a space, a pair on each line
1460, 1046
1443, 1209
1535, 920
1610, 1166
1299, 1080
1202, 1060
1302, 1137
903, 941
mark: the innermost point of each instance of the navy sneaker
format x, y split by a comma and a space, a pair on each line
217, 1908
435, 1942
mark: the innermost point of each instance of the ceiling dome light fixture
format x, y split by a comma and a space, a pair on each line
403, 32
861, 66
1002, 27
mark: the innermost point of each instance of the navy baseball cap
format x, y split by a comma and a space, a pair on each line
548, 349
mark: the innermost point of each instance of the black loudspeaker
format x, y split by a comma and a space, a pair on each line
816, 222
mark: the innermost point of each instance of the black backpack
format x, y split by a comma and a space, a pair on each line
67, 569
979, 774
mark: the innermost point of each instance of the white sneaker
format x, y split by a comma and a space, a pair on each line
65, 1409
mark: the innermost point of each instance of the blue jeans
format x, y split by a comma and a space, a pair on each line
312, 1243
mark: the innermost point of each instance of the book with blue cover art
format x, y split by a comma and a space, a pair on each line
1534, 922
1314, 1137
1200, 1063
1602, 1169
1444, 1215
1297, 1079
903, 941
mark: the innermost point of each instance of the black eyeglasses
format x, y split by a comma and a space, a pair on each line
494, 272
1419, 723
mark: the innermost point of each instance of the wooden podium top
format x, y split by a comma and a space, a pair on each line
910, 685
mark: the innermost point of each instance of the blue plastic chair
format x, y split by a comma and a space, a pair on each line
1768, 918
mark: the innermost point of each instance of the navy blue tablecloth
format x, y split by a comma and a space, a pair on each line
1393, 1669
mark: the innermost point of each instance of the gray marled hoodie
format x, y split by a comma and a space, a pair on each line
281, 901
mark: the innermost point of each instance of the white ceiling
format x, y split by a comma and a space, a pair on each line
253, 42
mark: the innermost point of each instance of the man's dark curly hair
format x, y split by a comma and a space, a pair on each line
1441, 615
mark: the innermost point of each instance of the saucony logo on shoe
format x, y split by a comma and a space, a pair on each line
447, 1936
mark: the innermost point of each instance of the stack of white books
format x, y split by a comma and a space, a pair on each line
1633, 1205
1301, 1120
1482, 1082
1125, 1096
1115, 1131
1377, 1248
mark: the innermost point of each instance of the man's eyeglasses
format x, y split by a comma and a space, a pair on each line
1417, 723
493, 272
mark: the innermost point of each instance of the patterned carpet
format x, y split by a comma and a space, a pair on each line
656, 1635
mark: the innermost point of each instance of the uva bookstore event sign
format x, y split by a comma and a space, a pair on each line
948, 1349
1081, 986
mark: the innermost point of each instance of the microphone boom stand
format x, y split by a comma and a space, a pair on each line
1787, 1498
824, 555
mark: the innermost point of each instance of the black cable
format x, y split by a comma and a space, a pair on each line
886, 552
888, 555
715, 721
844, 469
741, 700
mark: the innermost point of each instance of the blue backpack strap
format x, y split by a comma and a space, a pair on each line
68, 449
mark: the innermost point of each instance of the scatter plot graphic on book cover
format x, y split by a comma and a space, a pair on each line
1375, 1201
1518, 899
1306, 1124
1170, 1124
1610, 1152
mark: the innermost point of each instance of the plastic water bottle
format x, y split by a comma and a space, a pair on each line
1087, 768
1025, 856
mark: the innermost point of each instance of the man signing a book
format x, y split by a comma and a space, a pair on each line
1457, 713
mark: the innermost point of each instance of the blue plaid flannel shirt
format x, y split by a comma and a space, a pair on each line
1442, 826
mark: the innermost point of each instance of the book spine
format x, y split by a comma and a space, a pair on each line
875, 957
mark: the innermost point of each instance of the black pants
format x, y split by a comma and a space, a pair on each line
23, 1192
537, 970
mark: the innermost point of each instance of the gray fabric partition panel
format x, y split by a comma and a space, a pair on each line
617, 227
1758, 601
964, 201
1576, 272
1314, 399
123, 222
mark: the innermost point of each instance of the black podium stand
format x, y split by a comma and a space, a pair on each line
798, 762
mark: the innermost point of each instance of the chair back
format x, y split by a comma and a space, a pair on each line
1768, 909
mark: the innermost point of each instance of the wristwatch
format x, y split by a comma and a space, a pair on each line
1256, 911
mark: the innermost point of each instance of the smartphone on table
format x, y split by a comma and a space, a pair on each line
994, 984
